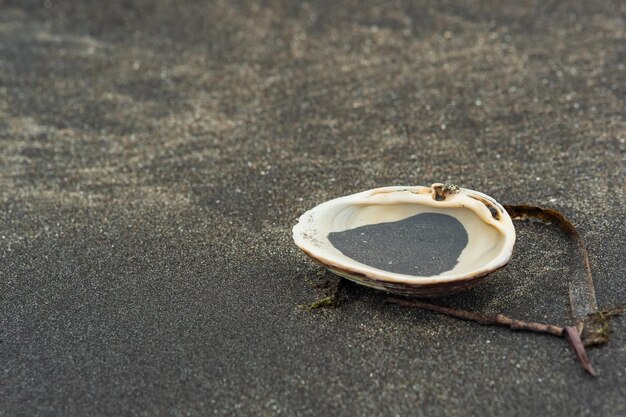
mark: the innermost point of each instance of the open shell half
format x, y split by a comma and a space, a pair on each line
419, 241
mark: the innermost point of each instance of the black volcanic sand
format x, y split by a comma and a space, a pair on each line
424, 244
155, 155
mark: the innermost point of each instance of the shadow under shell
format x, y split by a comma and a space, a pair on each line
425, 244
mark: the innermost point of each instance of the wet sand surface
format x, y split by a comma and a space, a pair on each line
155, 155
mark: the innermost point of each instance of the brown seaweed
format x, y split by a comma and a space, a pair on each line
592, 326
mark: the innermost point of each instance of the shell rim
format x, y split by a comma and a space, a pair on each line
460, 200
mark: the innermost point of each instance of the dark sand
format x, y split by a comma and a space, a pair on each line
155, 155
425, 244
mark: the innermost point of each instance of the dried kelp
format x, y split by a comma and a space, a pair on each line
592, 326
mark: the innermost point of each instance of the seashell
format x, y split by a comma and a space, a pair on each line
418, 241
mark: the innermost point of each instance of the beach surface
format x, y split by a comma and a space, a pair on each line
154, 156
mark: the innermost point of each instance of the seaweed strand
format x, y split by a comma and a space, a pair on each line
592, 326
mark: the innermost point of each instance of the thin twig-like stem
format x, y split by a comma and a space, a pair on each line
497, 320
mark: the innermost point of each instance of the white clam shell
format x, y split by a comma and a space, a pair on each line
490, 235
